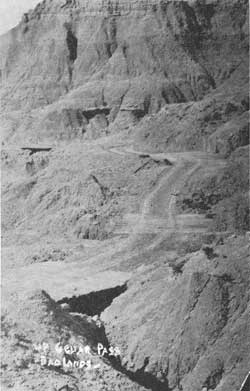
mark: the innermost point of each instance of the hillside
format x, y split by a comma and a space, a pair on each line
125, 180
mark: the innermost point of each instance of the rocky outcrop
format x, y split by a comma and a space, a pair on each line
151, 76
135, 58
203, 342
25, 325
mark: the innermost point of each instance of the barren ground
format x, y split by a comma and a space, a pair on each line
125, 207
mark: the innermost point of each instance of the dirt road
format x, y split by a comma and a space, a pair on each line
158, 211
156, 219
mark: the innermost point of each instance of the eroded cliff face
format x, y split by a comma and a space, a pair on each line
128, 60
125, 185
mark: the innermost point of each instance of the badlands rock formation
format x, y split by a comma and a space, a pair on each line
125, 178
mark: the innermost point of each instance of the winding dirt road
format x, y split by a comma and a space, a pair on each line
156, 220
158, 214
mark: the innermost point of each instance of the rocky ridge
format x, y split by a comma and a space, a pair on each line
125, 192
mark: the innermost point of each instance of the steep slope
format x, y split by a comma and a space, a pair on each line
201, 343
125, 178
77, 68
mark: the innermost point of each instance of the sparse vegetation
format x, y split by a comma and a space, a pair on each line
125, 174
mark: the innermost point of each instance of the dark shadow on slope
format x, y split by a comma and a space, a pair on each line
93, 303
92, 112
141, 377
72, 45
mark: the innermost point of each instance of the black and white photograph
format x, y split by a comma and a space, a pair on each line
125, 234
